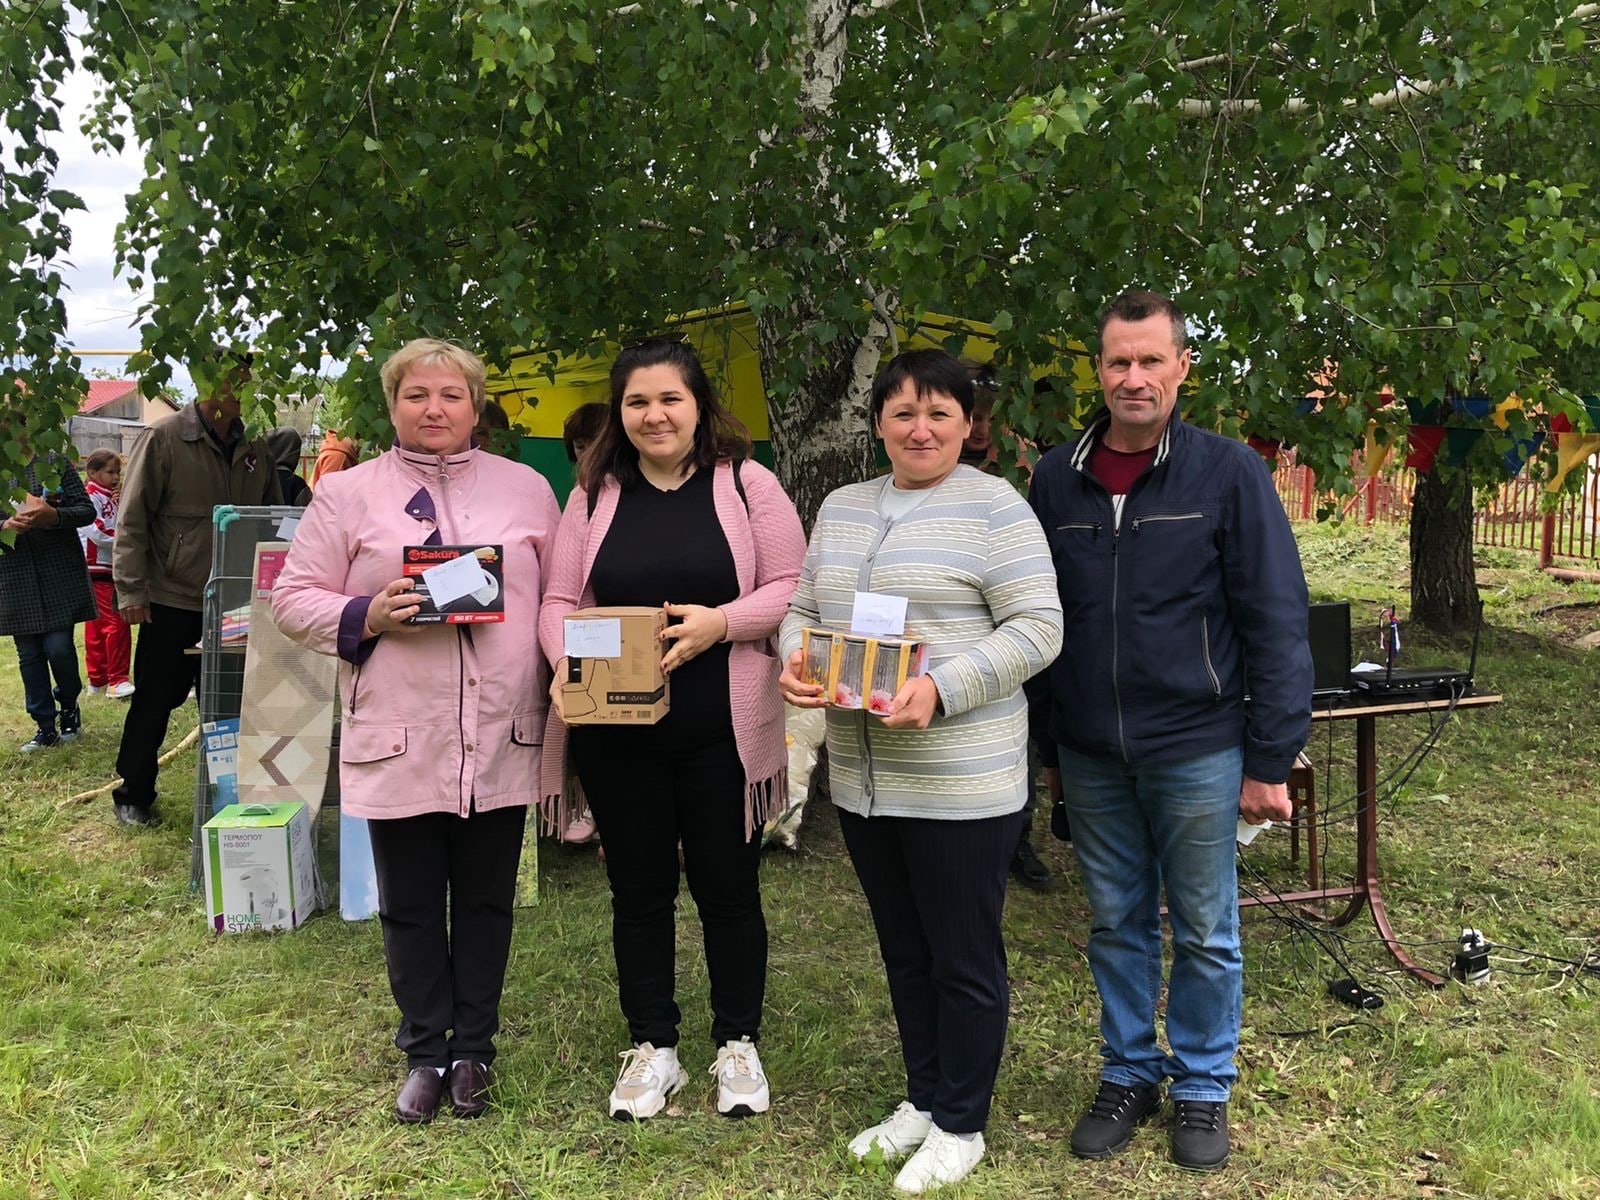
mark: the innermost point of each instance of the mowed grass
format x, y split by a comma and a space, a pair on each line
142, 1056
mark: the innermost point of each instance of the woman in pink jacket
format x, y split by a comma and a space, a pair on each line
442, 724
668, 511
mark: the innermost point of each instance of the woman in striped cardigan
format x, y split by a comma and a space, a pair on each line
930, 796
669, 512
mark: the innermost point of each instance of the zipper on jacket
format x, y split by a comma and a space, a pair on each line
461, 720
444, 495
1116, 682
1205, 653
1116, 582
1093, 526
355, 686
1138, 521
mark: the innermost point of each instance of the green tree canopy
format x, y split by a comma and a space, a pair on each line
1404, 190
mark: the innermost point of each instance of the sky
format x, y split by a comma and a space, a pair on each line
101, 307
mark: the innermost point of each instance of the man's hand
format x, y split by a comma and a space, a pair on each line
1052, 782
391, 607
699, 629
135, 614
1260, 802
914, 705
795, 690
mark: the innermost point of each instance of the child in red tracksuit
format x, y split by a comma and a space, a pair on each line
108, 640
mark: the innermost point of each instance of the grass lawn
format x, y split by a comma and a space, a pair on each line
142, 1056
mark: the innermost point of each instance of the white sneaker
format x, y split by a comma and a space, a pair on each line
896, 1137
942, 1158
648, 1077
579, 831
120, 691
741, 1083
94, 689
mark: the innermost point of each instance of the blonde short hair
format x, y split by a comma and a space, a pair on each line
431, 352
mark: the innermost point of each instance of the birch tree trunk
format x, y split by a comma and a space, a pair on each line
819, 390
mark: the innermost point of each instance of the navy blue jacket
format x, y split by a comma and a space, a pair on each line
1197, 601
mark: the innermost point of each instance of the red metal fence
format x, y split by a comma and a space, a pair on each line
1511, 518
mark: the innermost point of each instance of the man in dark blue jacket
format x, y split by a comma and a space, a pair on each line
1182, 593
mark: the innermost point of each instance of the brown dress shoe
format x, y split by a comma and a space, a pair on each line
418, 1101
469, 1088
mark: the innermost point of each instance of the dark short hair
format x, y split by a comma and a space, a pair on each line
929, 371
494, 416
718, 434
1136, 305
583, 424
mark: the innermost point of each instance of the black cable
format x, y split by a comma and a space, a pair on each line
1279, 910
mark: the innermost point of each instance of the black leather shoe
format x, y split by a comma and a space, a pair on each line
1109, 1124
469, 1088
1200, 1134
1029, 869
133, 814
418, 1101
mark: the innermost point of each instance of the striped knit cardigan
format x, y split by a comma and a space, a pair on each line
973, 564
764, 535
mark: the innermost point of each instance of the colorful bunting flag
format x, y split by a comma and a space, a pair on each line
1424, 442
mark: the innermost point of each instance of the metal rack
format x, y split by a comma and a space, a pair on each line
236, 532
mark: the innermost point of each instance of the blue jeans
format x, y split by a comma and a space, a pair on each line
39, 655
1134, 828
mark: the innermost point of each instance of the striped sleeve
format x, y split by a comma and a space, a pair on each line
1019, 585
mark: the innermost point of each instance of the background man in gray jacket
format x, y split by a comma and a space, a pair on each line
181, 467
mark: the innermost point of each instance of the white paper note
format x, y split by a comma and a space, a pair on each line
594, 637
877, 615
1246, 833
449, 581
286, 528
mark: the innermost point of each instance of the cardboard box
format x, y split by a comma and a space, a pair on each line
258, 867
483, 603
860, 672
613, 674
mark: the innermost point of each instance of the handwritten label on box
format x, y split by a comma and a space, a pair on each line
594, 637
877, 615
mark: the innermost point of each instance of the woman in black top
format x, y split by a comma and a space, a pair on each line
668, 513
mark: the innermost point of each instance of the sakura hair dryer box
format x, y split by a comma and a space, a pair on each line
472, 596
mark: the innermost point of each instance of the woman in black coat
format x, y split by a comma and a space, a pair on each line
44, 592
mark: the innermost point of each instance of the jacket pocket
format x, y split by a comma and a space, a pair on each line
527, 730
371, 743
1205, 655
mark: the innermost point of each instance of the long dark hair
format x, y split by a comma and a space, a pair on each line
718, 434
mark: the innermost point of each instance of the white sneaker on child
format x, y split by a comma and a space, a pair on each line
94, 689
942, 1158
741, 1083
120, 691
902, 1132
648, 1077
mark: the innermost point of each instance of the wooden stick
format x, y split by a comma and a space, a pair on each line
192, 737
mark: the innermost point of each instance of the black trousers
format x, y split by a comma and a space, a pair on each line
447, 985
647, 795
162, 677
937, 891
